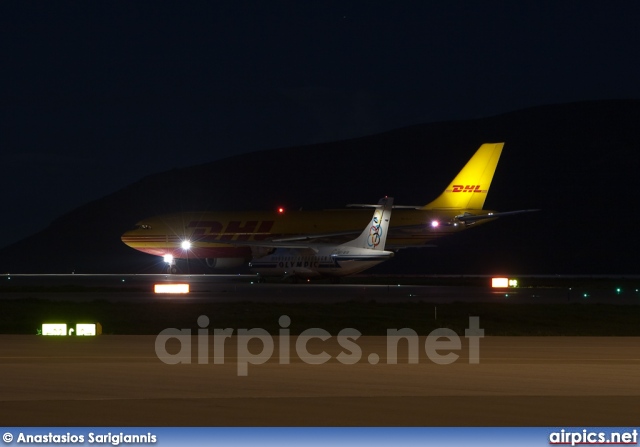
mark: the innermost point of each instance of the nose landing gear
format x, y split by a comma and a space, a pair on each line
171, 268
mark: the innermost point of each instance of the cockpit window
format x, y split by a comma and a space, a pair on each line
143, 227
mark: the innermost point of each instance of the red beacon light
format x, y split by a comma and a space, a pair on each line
280, 210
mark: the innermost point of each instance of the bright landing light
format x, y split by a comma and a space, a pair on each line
435, 223
499, 282
168, 258
186, 245
171, 288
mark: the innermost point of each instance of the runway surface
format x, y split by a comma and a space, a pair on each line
120, 381
239, 288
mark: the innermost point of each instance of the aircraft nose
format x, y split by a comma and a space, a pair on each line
128, 236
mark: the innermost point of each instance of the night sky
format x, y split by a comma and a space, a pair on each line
96, 95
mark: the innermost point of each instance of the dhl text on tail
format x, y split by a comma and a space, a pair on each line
232, 239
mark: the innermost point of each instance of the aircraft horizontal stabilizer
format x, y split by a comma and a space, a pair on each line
468, 217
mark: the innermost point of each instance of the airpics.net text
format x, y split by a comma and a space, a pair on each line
440, 345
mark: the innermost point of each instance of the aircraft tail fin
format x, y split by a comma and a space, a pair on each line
374, 236
469, 188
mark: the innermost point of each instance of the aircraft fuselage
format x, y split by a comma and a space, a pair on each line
208, 232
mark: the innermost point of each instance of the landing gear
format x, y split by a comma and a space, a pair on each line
171, 267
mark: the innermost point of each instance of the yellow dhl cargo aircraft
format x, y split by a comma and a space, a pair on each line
231, 239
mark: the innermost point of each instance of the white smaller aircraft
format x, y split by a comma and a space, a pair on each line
301, 257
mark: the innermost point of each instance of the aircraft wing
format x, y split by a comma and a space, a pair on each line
313, 241
309, 241
313, 237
